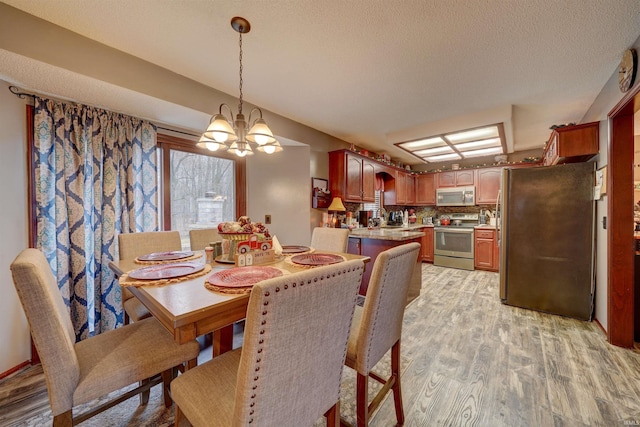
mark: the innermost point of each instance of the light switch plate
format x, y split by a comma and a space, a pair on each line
267, 219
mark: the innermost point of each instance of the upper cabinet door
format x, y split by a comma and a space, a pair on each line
410, 184
353, 184
488, 186
426, 189
465, 177
368, 181
447, 179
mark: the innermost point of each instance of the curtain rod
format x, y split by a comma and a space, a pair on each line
23, 95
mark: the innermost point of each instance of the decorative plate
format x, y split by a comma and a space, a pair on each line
166, 256
242, 277
166, 271
292, 249
316, 259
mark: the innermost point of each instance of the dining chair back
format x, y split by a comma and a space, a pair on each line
377, 327
330, 239
289, 370
132, 245
200, 239
78, 373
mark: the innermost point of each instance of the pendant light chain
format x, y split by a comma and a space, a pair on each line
240, 106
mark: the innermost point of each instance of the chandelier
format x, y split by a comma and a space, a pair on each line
236, 134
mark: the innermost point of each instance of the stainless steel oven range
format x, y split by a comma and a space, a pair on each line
453, 244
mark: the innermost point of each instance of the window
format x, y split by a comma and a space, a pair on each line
200, 189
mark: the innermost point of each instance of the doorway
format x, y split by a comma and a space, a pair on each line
622, 306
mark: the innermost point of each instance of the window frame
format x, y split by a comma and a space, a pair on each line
166, 143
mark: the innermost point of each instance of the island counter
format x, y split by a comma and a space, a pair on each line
371, 242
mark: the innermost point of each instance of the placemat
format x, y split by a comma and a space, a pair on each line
193, 257
289, 261
125, 281
234, 289
308, 251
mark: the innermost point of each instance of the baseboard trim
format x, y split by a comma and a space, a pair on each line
15, 369
601, 327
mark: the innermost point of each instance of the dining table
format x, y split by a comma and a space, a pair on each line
189, 310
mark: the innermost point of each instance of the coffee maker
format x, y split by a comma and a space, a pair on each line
395, 218
364, 217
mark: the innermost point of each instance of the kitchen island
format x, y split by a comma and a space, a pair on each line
370, 243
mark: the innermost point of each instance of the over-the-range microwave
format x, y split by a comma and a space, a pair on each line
456, 196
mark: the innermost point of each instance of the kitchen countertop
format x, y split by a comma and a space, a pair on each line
396, 234
486, 226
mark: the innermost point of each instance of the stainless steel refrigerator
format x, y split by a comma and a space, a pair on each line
546, 238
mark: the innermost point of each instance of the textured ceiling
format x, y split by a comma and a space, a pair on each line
376, 72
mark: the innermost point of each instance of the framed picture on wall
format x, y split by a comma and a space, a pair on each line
319, 183
320, 194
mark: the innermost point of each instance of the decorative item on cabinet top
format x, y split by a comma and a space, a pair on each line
320, 194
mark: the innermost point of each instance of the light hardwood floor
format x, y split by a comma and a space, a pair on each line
477, 362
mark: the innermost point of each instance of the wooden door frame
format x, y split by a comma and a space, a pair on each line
620, 240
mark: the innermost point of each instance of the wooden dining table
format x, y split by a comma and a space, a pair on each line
188, 309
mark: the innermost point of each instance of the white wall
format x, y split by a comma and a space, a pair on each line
280, 185
14, 331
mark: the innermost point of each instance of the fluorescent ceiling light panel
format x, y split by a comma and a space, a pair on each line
452, 156
492, 142
472, 135
432, 151
421, 143
482, 152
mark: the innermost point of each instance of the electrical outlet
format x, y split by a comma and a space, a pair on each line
267, 219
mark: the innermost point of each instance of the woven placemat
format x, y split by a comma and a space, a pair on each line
126, 282
291, 263
235, 290
170, 261
310, 251
224, 290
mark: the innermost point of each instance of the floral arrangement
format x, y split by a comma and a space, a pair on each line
244, 225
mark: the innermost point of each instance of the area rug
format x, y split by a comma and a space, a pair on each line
154, 414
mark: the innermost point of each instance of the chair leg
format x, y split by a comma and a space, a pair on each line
180, 420
63, 420
144, 396
397, 393
362, 394
191, 364
167, 377
333, 415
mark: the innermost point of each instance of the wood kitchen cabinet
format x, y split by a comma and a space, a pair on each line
426, 189
410, 185
485, 257
572, 144
351, 177
488, 186
401, 190
458, 178
426, 251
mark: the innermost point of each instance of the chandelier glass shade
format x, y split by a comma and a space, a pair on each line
237, 135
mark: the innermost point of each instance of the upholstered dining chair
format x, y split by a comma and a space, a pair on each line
289, 369
200, 239
377, 327
132, 245
330, 239
78, 373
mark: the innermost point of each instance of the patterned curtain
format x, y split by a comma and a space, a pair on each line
95, 177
